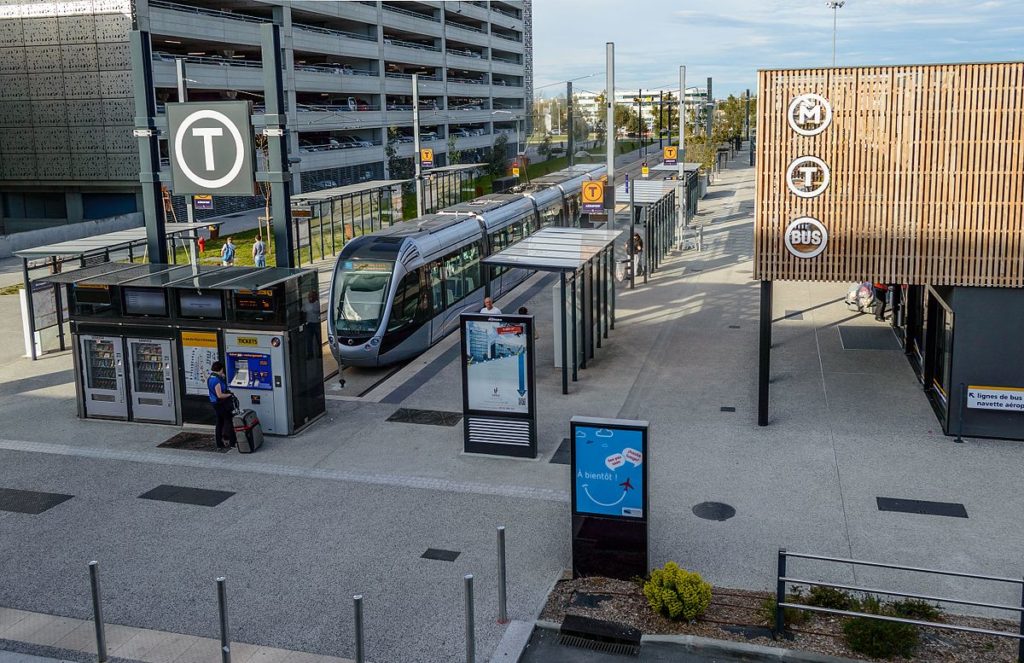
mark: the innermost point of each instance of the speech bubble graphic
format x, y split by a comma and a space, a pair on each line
614, 461
633, 456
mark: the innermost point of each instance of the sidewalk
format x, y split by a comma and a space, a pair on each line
36, 635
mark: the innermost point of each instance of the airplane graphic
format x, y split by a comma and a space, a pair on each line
627, 484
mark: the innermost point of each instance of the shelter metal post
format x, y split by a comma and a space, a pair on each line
277, 145
149, 146
565, 348
30, 309
632, 233
574, 329
60, 315
611, 269
764, 353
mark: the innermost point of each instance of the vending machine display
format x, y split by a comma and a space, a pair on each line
257, 374
249, 370
152, 380
104, 388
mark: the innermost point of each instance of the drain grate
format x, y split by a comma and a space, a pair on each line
734, 326
406, 415
561, 455
31, 502
922, 507
855, 337
441, 554
599, 635
714, 511
193, 442
186, 495
727, 408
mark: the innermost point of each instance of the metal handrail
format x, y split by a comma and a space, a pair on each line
399, 10
332, 31
423, 77
506, 37
859, 562
469, 81
328, 69
462, 54
906, 595
390, 41
506, 60
161, 56
470, 28
904, 620
505, 12
163, 4
782, 580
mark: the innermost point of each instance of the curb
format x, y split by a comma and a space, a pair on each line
692, 644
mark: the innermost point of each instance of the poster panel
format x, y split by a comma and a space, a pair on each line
198, 351
609, 468
496, 366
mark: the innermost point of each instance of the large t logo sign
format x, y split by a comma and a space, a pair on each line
207, 134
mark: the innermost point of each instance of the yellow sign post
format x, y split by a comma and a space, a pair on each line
427, 157
670, 155
644, 170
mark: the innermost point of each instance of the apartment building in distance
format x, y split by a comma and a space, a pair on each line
67, 153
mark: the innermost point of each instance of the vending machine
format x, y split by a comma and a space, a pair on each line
152, 380
257, 374
102, 371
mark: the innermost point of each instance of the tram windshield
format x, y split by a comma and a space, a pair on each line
362, 289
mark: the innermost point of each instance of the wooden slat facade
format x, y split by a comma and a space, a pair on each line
927, 175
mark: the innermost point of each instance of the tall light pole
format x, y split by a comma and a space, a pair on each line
835, 6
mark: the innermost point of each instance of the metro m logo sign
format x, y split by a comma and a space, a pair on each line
809, 114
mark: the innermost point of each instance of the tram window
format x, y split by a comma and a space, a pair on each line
453, 279
497, 244
516, 232
412, 303
436, 287
471, 267
550, 216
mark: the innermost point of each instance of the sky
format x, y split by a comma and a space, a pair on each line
730, 40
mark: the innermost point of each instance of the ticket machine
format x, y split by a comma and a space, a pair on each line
257, 373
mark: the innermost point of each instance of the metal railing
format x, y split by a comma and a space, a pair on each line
462, 26
512, 37
333, 32
390, 41
506, 12
163, 4
467, 81
160, 56
506, 60
425, 17
423, 77
472, 55
782, 580
344, 70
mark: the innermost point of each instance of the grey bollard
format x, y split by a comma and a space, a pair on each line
97, 612
470, 628
357, 605
502, 595
222, 604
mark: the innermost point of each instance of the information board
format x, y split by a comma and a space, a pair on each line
199, 351
608, 468
498, 402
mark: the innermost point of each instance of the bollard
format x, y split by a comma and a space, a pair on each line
502, 597
1020, 642
960, 423
357, 605
97, 612
470, 630
222, 603
780, 597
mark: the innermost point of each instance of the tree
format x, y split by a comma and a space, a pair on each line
626, 118
497, 162
399, 168
454, 155
544, 149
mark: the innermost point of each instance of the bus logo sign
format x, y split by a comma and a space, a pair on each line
806, 237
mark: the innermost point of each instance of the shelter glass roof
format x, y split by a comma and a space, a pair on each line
555, 249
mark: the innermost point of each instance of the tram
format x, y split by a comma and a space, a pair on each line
398, 291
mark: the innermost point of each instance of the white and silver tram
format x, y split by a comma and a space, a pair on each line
397, 291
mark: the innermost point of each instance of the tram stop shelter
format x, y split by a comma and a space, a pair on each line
323, 221
44, 309
583, 299
653, 209
690, 180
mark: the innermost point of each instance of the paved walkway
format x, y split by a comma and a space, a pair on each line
351, 505
50, 635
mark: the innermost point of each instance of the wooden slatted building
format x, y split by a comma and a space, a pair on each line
927, 174
911, 176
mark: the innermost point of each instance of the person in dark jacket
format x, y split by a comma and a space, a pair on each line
881, 296
222, 401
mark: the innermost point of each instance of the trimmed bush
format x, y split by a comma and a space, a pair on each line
677, 593
917, 609
877, 638
794, 617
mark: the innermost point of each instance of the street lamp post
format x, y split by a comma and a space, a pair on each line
835, 6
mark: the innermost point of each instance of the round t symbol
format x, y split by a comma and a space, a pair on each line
236, 167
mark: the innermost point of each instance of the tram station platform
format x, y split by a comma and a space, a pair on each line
383, 476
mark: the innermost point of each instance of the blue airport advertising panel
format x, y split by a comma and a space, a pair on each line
609, 468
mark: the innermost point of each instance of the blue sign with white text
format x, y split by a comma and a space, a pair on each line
609, 471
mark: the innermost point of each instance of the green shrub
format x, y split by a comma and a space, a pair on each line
829, 597
794, 617
880, 639
677, 593
916, 609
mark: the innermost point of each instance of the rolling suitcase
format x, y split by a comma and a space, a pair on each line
248, 431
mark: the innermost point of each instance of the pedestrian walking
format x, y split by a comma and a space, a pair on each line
489, 307
227, 253
223, 404
638, 254
259, 252
881, 291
